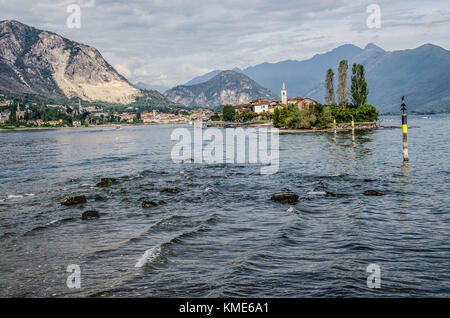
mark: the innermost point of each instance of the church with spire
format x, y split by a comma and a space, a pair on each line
300, 102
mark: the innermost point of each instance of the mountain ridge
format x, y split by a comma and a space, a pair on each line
226, 87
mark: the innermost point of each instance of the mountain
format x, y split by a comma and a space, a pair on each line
207, 77
227, 87
43, 63
420, 74
203, 78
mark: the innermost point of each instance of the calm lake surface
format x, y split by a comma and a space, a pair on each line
221, 235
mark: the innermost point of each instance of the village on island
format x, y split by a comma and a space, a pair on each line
299, 113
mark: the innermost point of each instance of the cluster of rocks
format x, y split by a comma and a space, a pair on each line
290, 198
105, 183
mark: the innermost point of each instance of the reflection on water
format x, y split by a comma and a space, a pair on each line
222, 235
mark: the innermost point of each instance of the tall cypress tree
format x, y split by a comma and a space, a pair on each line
359, 85
342, 87
329, 88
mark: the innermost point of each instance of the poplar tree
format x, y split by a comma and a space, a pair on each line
329, 88
359, 85
342, 87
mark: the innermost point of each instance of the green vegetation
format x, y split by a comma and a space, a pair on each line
321, 116
228, 112
363, 113
291, 116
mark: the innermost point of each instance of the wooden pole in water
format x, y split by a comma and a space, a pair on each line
405, 130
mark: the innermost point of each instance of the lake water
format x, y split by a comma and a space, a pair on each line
222, 236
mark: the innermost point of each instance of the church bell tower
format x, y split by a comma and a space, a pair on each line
284, 94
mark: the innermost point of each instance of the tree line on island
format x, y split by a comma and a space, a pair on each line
322, 115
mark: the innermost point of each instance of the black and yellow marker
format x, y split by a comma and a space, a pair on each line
353, 129
405, 130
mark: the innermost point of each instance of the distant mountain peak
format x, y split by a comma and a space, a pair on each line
226, 87
371, 46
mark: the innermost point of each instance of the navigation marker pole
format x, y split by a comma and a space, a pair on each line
353, 129
405, 131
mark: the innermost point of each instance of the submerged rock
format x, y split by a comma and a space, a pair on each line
171, 190
99, 198
106, 182
285, 198
373, 193
73, 200
161, 202
149, 204
336, 195
88, 215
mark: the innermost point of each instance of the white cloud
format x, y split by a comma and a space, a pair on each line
167, 42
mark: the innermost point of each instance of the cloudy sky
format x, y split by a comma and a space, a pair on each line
168, 42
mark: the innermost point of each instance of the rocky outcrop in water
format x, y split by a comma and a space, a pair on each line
373, 193
88, 215
149, 204
106, 182
336, 195
287, 198
171, 190
73, 200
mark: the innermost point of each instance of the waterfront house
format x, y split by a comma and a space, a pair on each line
4, 117
259, 106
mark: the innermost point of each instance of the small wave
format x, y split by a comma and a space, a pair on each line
153, 253
29, 194
149, 256
208, 189
46, 226
317, 193
13, 196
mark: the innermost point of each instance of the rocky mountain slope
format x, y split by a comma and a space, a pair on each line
227, 87
44, 63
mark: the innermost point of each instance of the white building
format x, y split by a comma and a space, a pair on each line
260, 106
